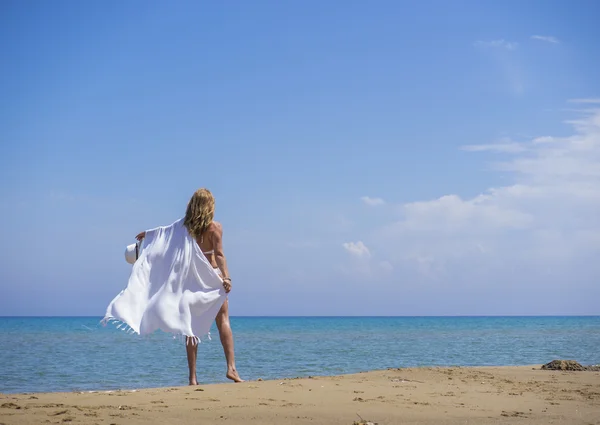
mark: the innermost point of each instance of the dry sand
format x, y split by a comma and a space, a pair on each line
498, 395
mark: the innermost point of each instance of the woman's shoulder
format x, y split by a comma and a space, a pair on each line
215, 227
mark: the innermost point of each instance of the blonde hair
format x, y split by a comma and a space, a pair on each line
200, 212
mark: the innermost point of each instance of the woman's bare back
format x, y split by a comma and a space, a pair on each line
210, 242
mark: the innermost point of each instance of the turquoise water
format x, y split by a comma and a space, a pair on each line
77, 354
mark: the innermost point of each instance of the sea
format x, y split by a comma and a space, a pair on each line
42, 354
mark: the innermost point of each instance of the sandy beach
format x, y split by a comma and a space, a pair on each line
483, 395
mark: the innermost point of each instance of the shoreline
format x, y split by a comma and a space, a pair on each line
421, 395
589, 368
278, 379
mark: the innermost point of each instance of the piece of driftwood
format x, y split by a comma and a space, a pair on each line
363, 422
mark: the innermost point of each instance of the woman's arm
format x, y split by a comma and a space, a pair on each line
220, 256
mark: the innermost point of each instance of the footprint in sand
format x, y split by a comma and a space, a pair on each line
10, 406
513, 414
60, 412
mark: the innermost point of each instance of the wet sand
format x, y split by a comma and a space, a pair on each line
483, 395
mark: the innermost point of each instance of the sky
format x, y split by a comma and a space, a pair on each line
367, 158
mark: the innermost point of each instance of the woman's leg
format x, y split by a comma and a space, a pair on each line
227, 341
191, 347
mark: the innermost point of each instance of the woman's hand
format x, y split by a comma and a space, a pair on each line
227, 284
141, 236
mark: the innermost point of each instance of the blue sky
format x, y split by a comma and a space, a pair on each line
394, 158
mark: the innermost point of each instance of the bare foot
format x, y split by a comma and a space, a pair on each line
233, 375
193, 381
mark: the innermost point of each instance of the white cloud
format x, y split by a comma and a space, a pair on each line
543, 139
373, 202
358, 249
508, 147
543, 228
546, 38
450, 214
589, 100
495, 44
364, 265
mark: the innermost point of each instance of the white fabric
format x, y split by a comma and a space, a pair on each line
172, 287
130, 254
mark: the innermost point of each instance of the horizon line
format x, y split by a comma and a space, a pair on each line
328, 316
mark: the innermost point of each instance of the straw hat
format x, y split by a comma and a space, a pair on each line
132, 253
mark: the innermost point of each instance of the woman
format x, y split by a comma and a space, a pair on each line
209, 236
